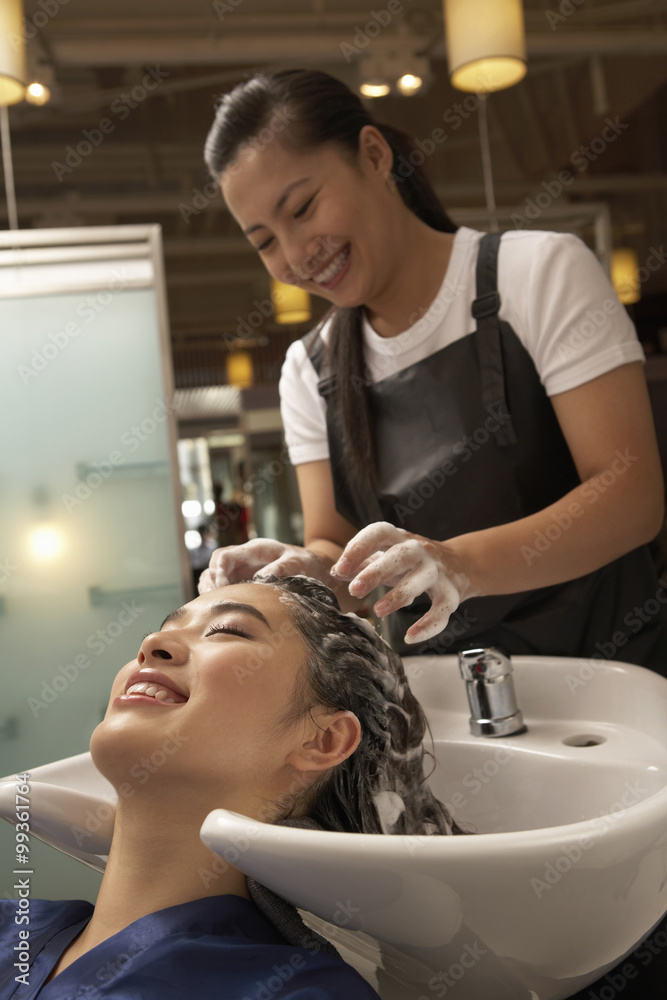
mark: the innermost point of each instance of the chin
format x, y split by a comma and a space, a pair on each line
104, 750
117, 749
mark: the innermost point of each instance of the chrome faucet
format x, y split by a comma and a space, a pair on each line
490, 690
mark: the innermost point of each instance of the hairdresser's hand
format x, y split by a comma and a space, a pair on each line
412, 565
235, 563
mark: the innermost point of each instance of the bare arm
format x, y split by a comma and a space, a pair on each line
619, 505
608, 426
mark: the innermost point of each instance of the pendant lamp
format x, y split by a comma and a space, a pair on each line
625, 275
12, 53
291, 304
239, 369
486, 44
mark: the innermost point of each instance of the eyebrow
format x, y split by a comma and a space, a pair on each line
279, 204
217, 609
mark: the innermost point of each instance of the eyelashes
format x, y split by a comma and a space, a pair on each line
303, 209
213, 629
227, 628
297, 215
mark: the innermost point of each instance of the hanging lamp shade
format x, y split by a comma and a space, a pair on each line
239, 369
291, 304
625, 275
486, 44
13, 77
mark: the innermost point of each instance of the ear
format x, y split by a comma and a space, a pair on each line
375, 151
329, 740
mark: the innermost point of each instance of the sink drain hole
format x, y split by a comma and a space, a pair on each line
584, 740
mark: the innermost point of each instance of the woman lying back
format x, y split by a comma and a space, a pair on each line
266, 700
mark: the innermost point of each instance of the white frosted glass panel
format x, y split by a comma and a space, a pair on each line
103, 274
89, 534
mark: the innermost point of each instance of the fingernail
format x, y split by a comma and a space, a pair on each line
358, 588
382, 607
342, 566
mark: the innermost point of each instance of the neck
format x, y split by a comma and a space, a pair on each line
156, 860
417, 267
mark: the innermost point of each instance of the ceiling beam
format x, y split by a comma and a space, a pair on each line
151, 204
237, 47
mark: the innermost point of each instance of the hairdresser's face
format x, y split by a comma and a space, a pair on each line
228, 665
308, 212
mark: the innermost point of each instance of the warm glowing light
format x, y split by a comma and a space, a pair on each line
409, 84
209, 506
239, 369
191, 508
486, 44
12, 52
46, 542
291, 304
192, 539
374, 89
38, 94
625, 275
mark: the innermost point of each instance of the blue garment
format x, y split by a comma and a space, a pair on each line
217, 948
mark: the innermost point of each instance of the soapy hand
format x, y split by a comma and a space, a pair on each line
235, 563
412, 565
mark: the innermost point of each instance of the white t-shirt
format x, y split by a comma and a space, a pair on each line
553, 293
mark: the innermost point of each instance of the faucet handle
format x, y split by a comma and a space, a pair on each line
487, 672
484, 663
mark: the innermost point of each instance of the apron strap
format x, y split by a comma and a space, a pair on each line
315, 350
487, 338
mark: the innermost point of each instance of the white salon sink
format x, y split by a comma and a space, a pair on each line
566, 875
568, 872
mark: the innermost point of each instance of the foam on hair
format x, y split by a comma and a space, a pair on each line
381, 787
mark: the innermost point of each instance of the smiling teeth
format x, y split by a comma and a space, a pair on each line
336, 265
152, 690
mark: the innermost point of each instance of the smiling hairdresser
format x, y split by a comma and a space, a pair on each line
470, 422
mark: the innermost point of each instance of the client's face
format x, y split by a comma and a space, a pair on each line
200, 706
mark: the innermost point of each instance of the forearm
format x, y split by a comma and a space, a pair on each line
590, 526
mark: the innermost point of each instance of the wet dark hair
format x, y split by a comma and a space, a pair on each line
320, 110
381, 787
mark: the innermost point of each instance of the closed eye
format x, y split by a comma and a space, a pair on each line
232, 629
297, 215
303, 209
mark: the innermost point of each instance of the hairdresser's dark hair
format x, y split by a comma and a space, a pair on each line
381, 787
321, 110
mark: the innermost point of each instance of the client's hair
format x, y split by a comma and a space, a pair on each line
381, 787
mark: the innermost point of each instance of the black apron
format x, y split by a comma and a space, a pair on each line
467, 439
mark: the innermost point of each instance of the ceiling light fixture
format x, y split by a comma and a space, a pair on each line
12, 53
392, 67
239, 368
625, 275
291, 304
409, 84
486, 44
37, 93
12, 89
416, 75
